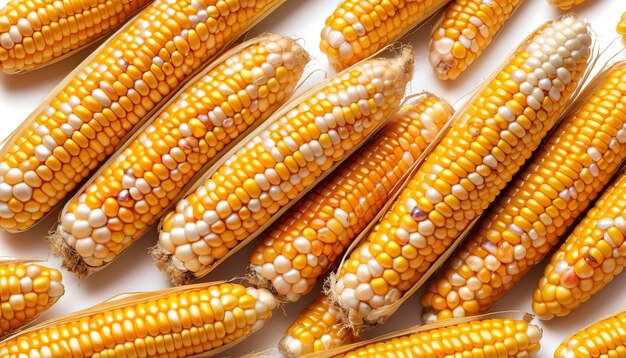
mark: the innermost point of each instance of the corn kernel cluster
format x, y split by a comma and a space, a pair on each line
35, 33
26, 290
275, 166
476, 339
466, 29
121, 203
193, 321
529, 219
486, 146
589, 259
88, 117
359, 28
606, 338
317, 231
319, 328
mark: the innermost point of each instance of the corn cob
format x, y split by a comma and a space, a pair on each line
280, 163
565, 4
475, 339
26, 290
590, 257
359, 28
200, 320
319, 328
36, 33
621, 26
86, 118
605, 338
529, 219
466, 28
313, 236
130, 193
489, 141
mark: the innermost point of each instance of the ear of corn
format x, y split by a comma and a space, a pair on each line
199, 320
26, 290
528, 220
466, 28
315, 233
565, 4
132, 190
605, 338
589, 259
36, 33
359, 28
478, 338
259, 180
486, 145
319, 328
88, 115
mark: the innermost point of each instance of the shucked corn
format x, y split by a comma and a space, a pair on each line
487, 144
181, 322
316, 232
275, 166
565, 4
359, 28
589, 259
26, 290
529, 219
118, 87
36, 33
119, 205
465, 30
606, 338
475, 339
319, 328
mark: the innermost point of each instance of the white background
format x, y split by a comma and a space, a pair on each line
304, 19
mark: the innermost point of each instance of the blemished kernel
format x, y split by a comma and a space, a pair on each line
351, 196
589, 258
39, 32
139, 68
26, 291
319, 328
275, 166
127, 197
513, 237
605, 338
565, 4
467, 170
466, 28
178, 322
475, 339
360, 28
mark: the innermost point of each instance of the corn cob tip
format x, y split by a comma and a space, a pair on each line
28, 289
319, 328
71, 260
179, 276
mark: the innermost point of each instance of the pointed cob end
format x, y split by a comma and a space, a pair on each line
72, 261
177, 275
